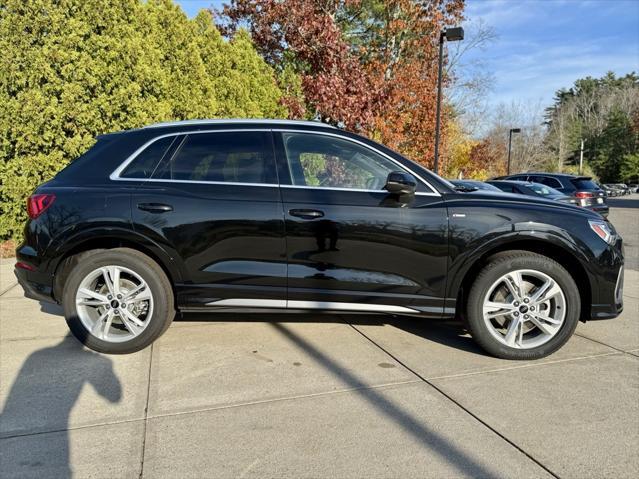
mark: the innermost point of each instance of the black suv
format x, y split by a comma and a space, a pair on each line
219, 215
582, 189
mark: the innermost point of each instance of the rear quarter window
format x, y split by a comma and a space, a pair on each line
584, 184
144, 164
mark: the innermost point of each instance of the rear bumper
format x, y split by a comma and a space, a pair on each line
603, 210
34, 285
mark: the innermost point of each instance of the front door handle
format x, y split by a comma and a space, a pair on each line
155, 207
306, 214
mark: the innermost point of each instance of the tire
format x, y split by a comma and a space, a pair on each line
140, 322
535, 272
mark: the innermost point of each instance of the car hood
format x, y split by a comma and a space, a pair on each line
531, 201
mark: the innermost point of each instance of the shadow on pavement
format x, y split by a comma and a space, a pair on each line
448, 333
41, 399
432, 440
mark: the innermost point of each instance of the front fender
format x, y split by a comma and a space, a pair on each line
514, 236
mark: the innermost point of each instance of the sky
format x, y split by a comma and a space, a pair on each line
543, 45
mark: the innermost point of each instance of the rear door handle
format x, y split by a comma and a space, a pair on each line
306, 214
155, 207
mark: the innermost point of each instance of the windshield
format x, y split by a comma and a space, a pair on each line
486, 186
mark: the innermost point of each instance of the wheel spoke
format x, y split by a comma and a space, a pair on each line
108, 279
542, 325
86, 297
102, 325
134, 291
514, 284
512, 332
493, 309
140, 293
548, 319
545, 292
131, 322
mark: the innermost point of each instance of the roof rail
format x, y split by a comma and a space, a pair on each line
222, 121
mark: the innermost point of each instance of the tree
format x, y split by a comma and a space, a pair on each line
601, 111
629, 170
73, 69
369, 64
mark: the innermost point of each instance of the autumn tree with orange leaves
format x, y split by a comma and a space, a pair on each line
370, 65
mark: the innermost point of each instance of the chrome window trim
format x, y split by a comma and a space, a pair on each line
433, 191
334, 188
115, 176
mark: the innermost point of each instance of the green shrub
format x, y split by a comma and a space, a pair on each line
73, 69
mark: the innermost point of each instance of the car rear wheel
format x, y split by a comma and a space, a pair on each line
523, 306
117, 301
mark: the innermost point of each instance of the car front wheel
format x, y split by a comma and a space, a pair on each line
117, 301
523, 306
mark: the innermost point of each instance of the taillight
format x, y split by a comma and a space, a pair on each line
37, 204
26, 266
584, 194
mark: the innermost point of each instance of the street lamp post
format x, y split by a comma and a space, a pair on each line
581, 157
510, 140
452, 35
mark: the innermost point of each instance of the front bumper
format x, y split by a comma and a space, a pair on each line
608, 299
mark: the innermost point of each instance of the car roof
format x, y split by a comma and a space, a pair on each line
560, 175
517, 182
233, 121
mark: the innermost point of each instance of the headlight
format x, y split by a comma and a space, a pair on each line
603, 230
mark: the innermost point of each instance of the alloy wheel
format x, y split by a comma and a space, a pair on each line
114, 303
524, 309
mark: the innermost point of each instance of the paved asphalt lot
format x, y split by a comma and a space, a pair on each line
318, 396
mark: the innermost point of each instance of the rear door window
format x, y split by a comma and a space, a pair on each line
225, 157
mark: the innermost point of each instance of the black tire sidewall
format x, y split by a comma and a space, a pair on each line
163, 307
510, 262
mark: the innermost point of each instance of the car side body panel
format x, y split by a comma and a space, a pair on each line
224, 241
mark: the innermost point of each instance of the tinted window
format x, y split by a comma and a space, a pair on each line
229, 157
584, 184
519, 178
546, 180
485, 186
144, 164
504, 187
327, 161
543, 190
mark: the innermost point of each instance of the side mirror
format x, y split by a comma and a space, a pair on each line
400, 183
